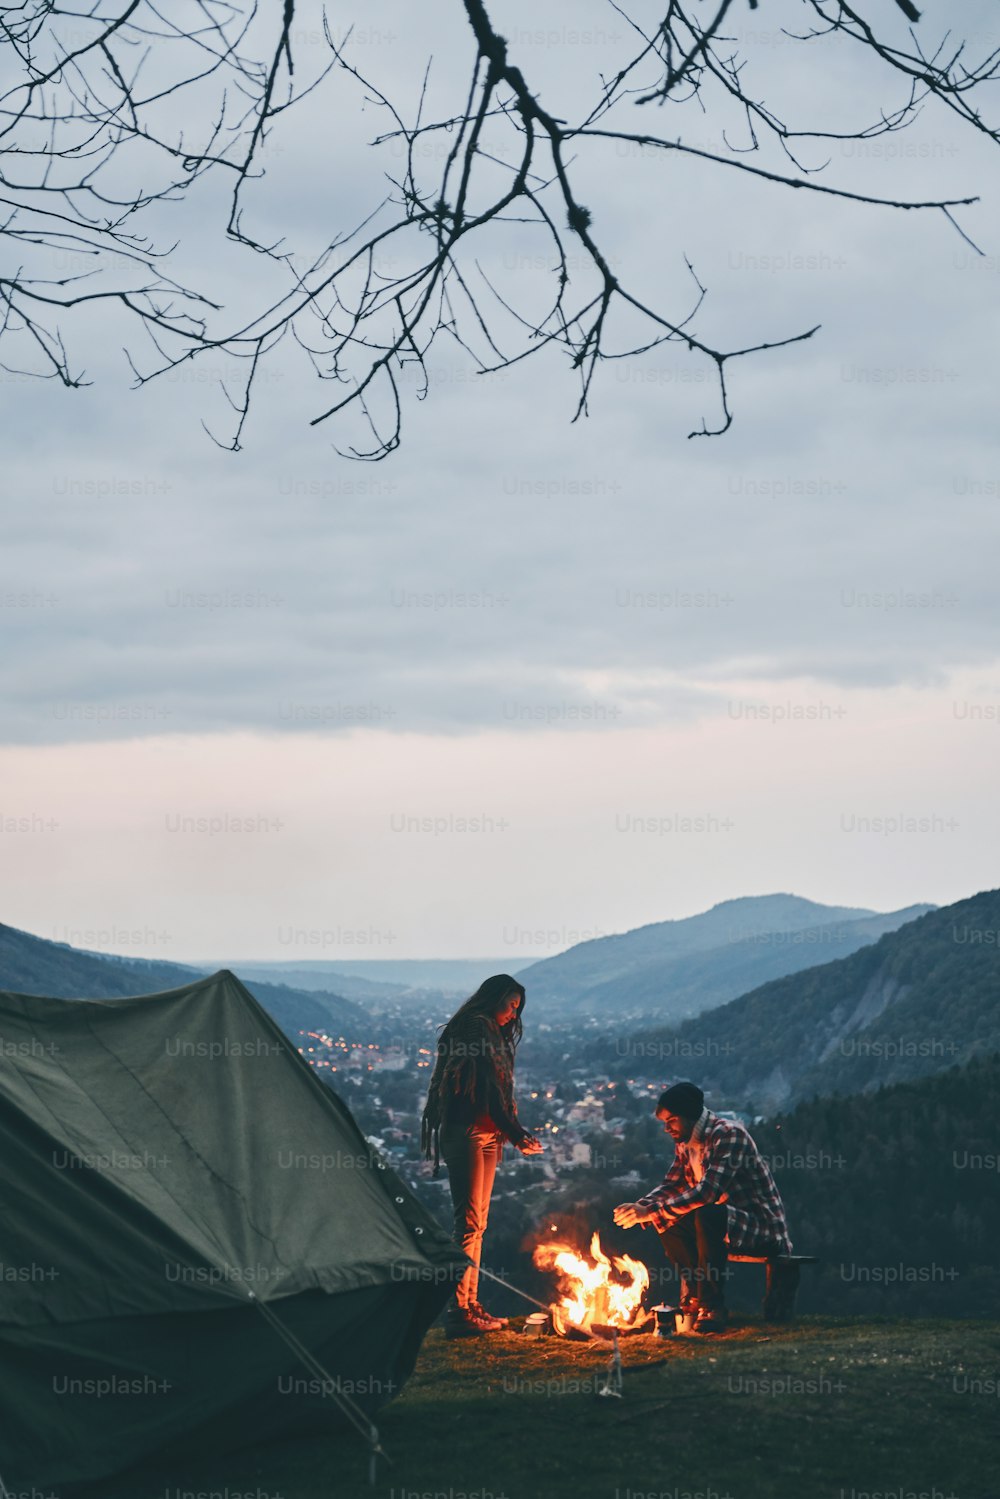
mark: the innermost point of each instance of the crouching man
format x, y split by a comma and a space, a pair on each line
717, 1196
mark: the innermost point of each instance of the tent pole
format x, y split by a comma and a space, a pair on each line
501, 1282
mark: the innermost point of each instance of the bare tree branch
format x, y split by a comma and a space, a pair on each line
115, 114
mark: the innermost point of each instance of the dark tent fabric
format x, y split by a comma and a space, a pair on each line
164, 1160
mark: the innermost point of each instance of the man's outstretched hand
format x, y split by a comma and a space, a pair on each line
530, 1145
632, 1214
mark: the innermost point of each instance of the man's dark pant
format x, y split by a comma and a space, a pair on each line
696, 1244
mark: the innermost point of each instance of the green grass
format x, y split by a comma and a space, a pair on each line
887, 1408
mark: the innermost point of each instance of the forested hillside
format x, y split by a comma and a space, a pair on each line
34, 965
898, 1192
913, 1003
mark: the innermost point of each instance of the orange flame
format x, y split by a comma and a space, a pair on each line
590, 1295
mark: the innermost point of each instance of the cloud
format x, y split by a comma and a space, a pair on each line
506, 569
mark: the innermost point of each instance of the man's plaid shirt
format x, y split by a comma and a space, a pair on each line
735, 1174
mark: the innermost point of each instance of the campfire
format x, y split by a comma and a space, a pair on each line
598, 1292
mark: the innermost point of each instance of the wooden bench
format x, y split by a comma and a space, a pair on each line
782, 1281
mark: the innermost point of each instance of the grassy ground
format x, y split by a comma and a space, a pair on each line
825, 1409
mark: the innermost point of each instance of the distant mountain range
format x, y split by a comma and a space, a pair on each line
309, 977
34, 965
917, 1001
668, 971
904, 994
676, 969
376, 979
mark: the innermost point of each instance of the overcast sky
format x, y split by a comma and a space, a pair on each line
527, 681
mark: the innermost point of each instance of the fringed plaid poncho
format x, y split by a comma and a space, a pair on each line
473, 1075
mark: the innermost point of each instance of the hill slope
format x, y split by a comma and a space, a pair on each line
895, 1191
679, 988
912, 1003
34, 965
605, 959
829, 1408
678, 968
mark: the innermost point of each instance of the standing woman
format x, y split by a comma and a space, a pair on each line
470, 1113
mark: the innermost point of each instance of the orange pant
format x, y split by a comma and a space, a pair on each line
471, 1153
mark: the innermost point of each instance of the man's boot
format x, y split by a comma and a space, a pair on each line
689, 1296
712, 1313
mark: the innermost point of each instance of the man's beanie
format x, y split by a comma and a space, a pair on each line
685, 1099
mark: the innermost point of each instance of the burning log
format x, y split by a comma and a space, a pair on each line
600, 1294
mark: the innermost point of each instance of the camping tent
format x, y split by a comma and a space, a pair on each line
187, 1209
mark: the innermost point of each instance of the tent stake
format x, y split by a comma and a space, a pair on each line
613, 1379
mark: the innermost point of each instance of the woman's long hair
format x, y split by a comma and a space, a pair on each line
460, 1058
487, 1000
